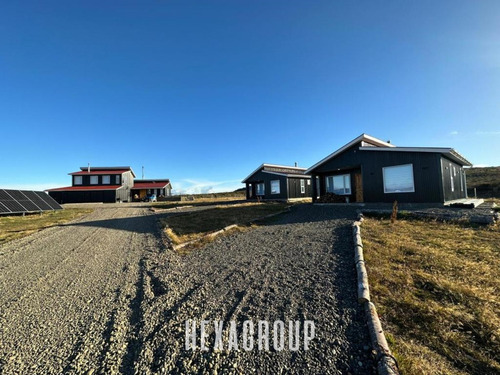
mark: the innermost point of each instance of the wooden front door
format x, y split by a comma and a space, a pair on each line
358, 186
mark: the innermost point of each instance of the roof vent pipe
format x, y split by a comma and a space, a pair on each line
88, 168
296, 164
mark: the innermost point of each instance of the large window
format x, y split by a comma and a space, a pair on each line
398, 179
340, 185
106, 179
302, 186
260, 189
275, 187
78, 180
94, 180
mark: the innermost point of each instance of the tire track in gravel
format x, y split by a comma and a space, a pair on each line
299, 267
15, 270
79, 311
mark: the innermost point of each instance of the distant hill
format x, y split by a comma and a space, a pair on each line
485, 180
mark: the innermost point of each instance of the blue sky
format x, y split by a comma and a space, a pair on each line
202, 92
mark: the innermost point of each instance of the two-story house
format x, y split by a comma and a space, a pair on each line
97, 184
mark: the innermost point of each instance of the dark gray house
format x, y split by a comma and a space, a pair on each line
368, 169
278, 182
96, 184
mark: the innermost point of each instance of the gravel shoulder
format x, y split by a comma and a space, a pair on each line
69, 294
103, 295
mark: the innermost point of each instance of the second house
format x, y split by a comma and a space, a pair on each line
278, 182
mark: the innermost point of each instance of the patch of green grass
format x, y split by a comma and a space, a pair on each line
12, 227
192, 226
436, 287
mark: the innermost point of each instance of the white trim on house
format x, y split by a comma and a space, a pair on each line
363, 137
331, 185
276, 189
260, 189
394, 167
447, 151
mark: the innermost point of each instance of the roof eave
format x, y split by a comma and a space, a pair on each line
271, 165
362, 137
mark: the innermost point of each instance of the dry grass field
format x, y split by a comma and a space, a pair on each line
12, 227
485, 180
437, 289
198, 202
194, 225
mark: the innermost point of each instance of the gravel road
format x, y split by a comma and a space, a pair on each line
103, 295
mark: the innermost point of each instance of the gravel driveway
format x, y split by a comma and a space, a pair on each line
102, 295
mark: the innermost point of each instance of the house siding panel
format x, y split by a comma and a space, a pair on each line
349, 159
459, 186
294, 188
426, 176
106, 196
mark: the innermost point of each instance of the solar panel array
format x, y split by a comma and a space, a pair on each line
24, 201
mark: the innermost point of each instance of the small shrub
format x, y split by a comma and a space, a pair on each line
394, 214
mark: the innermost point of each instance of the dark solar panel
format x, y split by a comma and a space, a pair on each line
3, 209
4, 195
21, 201
12, 204
49, 200
25, 201
37, 200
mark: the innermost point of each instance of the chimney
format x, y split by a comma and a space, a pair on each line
296, 165
88, 168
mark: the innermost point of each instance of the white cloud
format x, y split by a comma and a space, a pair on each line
481, 165
190, 186
454, 132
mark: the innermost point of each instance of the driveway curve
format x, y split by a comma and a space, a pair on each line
103, 295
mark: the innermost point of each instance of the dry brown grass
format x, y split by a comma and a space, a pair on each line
192, 226
436, 286
12, 227
197, 202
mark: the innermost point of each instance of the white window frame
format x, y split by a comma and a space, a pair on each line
106, 179
275, 189
302, 186
384, 169
260, 189
94, 178
117, 179
78, 180
452, 181
345, 177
